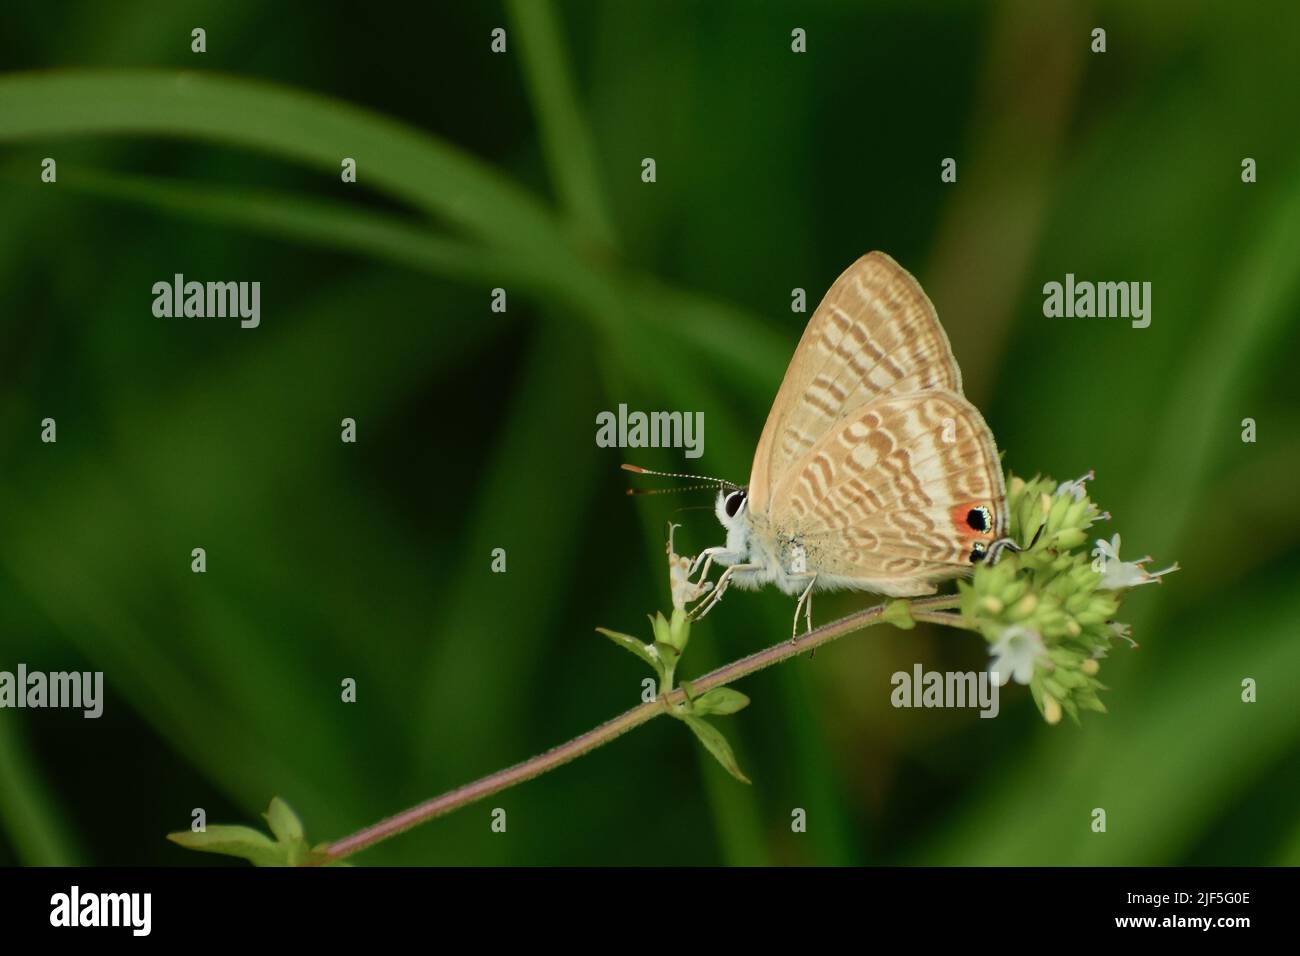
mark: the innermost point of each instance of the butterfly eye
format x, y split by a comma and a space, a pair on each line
733, 503
978, 551
979, 519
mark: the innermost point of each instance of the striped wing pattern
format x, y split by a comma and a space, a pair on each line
872, 459
875, 333
884, 498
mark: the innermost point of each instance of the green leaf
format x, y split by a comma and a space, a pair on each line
398, 160
668, 654
298, 852
567, 142
899, 614
662, 631
288, 849
245, 842
646, 652
30, 817
679, 630
721, 701
717, 745
284, 822
513, 227
688, 322
327, 223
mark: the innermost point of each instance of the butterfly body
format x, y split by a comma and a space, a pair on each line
873, 472
765, 555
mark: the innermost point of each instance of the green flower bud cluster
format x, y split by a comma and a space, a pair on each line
1042, 606
1059, 515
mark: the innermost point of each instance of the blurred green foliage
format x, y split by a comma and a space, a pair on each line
522, 171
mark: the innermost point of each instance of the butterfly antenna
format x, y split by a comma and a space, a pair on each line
715, 482
1009, 544
667, 491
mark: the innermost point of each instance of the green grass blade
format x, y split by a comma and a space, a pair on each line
396, 159
566, 137
28, 813
316, 222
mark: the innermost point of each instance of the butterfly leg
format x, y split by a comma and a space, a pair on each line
714, 596
805, 605
707, 556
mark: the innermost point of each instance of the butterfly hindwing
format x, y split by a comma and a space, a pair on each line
896, 496
875, 333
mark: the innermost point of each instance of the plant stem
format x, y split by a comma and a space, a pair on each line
924, 609
945, 618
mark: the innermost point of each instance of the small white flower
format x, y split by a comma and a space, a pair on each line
1014, 654
1123, 632
684, 591
1076, 488
1116, 574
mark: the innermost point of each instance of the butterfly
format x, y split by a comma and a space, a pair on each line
873, 472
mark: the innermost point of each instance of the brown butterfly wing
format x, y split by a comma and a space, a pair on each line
884, 500
875, 333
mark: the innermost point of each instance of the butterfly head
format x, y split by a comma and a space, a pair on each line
732, 509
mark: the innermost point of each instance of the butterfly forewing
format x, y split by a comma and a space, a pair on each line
874, 334
898, 495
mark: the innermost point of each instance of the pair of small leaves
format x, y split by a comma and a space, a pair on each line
671, 636
662, 656
289, 848
720, 701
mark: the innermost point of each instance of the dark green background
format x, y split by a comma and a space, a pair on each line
775, 170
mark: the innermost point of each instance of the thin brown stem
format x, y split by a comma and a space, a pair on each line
925, 609
945, 618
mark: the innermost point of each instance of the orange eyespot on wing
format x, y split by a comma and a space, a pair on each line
974, 519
